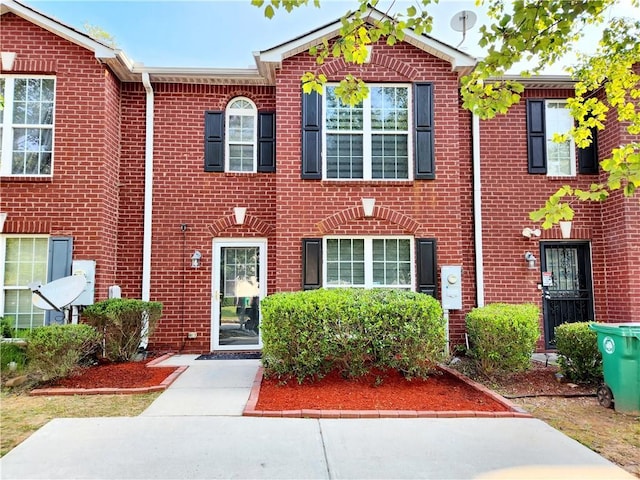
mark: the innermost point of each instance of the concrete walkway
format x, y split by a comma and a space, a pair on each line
194, 430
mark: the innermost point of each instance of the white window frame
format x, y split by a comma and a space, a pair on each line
368, 260
3, 259
367, 134
549, 133
229, 111
7, 126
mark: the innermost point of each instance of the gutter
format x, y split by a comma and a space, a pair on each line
477, 210
148, 191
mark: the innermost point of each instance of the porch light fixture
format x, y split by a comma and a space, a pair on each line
531, 232
531, 260
7, 60
239, 212
196, 259
367, 205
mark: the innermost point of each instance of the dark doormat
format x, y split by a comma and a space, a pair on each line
231, 356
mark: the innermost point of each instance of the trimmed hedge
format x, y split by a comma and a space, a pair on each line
55, 351
578, 355
502, 336
307, 334
123, 323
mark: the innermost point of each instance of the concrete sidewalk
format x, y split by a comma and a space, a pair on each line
193, 430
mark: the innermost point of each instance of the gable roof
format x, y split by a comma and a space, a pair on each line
272, 58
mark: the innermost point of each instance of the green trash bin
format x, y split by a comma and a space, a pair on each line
619, 344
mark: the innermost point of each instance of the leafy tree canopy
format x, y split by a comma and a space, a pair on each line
538, 32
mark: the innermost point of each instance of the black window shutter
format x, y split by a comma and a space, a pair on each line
311, 263
59, 265
266, 142
311, 136
427, 266
425, 168
588, 157
214, 141
536, 138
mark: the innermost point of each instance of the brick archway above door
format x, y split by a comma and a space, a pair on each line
251, 223
331, 223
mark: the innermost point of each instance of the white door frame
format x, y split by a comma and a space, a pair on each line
218, 244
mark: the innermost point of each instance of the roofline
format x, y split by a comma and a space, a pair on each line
460, 61
540, 81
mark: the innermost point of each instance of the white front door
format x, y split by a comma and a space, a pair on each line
239, 284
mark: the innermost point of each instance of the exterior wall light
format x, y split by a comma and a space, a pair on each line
531, 232
196, 259
531, 260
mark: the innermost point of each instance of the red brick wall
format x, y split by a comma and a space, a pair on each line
183, 193
440, 207
81, 199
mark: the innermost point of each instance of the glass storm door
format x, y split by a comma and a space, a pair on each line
239, 284
570, 297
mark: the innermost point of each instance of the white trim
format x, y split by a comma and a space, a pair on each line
217, 245
148, 191
8, 125
367, 134
254, 140
368, 259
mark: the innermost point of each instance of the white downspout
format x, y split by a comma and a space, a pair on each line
477, 209
148, 191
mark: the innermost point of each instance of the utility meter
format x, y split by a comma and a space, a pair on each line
451, 286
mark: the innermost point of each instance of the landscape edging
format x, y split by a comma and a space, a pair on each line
517, 412
115, 390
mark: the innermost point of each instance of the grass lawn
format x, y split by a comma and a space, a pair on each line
21, 415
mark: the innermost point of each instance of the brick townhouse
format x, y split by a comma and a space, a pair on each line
207, 189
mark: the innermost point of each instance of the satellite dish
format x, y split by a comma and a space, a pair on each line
462, 22
57, 294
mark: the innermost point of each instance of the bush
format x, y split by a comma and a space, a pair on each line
502, 337
123, 323
12, 352
307, 334
56, 350
578, 355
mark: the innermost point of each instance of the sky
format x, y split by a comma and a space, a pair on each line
225, 33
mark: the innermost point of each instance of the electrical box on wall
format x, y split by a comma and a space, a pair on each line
88, 268
451, 285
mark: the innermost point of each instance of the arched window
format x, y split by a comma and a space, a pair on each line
241, 125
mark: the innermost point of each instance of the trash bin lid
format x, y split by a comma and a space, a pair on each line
628, 329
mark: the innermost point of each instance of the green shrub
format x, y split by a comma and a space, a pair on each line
578, 355
123, 323
56, 350
307, 334
12, 352
502, 337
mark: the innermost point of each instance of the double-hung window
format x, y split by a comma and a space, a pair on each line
370, 140
26, 125
561, 156
241, 136
24, 260
545, 118
369, 262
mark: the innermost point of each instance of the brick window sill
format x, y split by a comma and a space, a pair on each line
26, 179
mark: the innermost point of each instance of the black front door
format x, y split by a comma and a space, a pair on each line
570, 297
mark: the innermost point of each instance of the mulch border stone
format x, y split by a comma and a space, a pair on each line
515, 411
115, 391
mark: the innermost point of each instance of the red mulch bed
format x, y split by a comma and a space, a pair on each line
377, 391
116, 375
